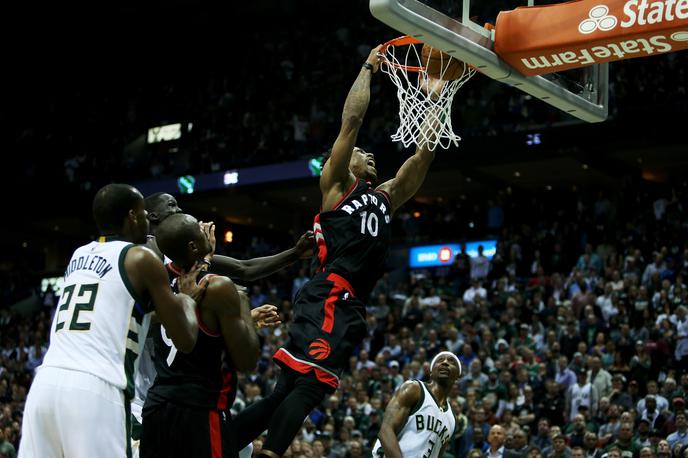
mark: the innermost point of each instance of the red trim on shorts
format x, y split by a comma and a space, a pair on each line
340, 284
215, 435
224, 391
304, 368
328, 322
347, 194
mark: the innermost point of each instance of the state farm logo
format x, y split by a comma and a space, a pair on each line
598, 19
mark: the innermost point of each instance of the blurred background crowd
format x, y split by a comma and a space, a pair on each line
573, 337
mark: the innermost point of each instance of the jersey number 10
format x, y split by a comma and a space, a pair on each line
369, 221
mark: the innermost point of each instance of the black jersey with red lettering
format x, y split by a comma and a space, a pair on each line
204, 378
353, 239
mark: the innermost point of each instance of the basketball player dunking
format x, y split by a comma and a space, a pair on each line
352, 234
418, 420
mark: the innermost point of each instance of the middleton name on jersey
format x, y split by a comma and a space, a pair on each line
97, 264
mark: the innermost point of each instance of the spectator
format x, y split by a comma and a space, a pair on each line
496, 439
480, 266
681, 433
519, 445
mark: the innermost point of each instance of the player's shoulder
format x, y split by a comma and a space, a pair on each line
219, 283
410, 392
221, 293
142, 250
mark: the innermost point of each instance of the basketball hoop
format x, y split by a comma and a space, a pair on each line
424, 101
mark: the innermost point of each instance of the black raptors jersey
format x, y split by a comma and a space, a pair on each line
353, 239
204, 378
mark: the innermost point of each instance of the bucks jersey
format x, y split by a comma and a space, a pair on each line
100, 323
353, 238
203, 378
428, 428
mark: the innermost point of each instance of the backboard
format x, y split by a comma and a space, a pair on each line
447, 25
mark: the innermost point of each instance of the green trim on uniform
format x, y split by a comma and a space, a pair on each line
127, 432
421, 400
446, 407
136, 428
125, 278
129, 359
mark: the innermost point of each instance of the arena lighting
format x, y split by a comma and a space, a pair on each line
55, 282
229, 236
443, 255
186, 184
282, 171
167, 133
231, 177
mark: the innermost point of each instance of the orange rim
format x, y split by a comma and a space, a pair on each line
401, 41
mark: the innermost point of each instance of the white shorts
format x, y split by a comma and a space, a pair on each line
74, 414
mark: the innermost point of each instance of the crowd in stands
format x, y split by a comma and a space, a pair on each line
573, 337
286, 106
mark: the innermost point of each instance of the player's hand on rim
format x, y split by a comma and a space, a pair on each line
374, 58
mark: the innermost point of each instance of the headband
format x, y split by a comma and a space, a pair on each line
442, 353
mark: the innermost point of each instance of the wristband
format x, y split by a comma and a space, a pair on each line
368, 66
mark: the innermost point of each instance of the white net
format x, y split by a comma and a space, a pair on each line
424, 103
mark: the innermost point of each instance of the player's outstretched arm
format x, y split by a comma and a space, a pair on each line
336, 170
234, 314
256, 268
177, 312
409, 177
396, 415
411, 174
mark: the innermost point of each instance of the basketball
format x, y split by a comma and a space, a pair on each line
441, 65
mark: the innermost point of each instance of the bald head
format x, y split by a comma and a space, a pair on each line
496, 437
181, 239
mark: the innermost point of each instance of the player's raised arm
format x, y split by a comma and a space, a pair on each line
409, 177
176, 312
411, 174
234, 316
336, 172
396, 416
253, 269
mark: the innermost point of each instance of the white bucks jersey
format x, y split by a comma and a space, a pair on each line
427, 429
100, 323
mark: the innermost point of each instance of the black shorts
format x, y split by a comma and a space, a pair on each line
329, 323
172, 430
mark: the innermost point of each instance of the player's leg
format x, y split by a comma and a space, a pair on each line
288, 419
176, 431
254, 419
40, 435
95, 418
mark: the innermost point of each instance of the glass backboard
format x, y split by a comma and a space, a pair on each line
455, 27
